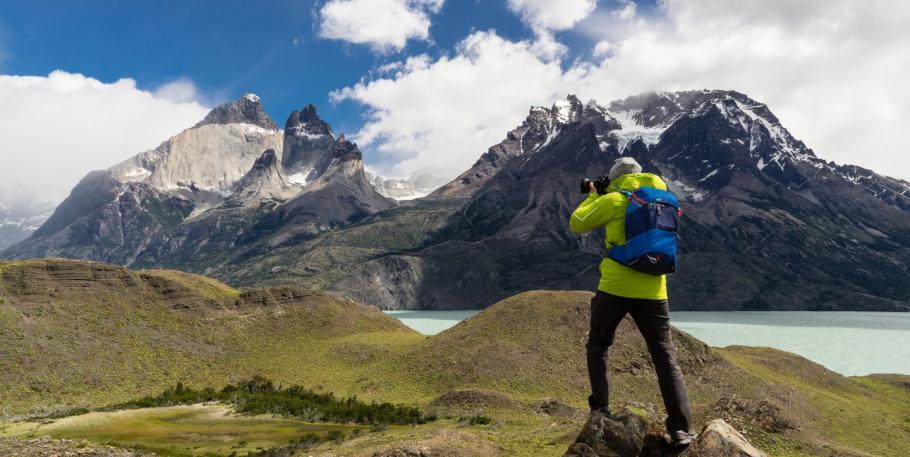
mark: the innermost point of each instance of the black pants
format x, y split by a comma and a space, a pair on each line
653, 320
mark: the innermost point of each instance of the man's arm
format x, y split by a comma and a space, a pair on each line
594, 211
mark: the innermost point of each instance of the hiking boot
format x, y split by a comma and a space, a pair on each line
682, 438
603, 410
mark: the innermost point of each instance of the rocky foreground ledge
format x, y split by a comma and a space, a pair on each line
47, 447
626, 434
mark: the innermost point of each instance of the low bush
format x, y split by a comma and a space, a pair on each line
260, 396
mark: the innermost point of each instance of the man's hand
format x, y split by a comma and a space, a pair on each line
591, 187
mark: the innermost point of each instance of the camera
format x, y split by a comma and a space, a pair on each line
600, 184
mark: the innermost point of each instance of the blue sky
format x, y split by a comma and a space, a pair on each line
226, 48
426, 86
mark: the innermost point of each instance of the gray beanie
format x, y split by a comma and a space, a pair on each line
624, 166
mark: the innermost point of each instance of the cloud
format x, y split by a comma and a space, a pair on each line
181, 90
438, 116
57, 128
384, 25
546, 16
552, 15
833, 71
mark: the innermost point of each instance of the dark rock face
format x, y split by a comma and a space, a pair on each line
768, 225
540, 127
247, 110
308, 141
105, 220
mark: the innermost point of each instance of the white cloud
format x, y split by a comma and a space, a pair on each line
832, 70
602, 48
546, 16
439, 116
55, 129
181, 90
550, 14
382, 24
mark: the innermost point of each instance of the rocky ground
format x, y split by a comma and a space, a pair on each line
46, 447
628, 434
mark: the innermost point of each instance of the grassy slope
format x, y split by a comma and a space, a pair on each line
130, 333
88, 334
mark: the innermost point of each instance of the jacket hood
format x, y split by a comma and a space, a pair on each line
633, 181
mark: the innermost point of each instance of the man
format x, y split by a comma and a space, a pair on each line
622, 291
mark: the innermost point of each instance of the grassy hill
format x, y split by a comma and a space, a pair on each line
90, 334
86, 334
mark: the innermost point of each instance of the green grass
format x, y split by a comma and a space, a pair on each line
260, 396
88, 335
863, 414
186, 430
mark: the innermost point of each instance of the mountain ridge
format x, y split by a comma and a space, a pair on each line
768, 224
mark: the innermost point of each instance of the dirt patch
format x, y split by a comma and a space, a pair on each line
556, 408
742, 412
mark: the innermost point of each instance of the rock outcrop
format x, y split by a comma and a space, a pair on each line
247, 110
719, 439
626, 434
46, 447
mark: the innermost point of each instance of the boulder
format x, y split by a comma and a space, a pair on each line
719, 439
627, 434
618, 435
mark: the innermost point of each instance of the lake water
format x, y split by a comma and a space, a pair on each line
850, 343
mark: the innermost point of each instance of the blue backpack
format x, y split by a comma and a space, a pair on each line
652, 224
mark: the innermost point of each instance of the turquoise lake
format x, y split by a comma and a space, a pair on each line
850, 343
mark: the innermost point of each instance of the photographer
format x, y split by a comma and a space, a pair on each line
635, 286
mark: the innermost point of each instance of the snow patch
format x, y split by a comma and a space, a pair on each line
251, 128
685, 191
137, 172
563, 111
632, 130
300, 178
550, 137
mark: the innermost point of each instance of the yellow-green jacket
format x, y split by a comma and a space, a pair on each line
609, 210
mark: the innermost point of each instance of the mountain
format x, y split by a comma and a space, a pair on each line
205, 190
767, 225
20, 217
405, 188
86, 334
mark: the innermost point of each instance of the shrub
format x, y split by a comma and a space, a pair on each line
260, 396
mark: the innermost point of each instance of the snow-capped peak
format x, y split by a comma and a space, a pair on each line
251, 97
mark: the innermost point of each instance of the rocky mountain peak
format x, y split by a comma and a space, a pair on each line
265, 179
245, 110
345, 151
307, 123
308, 141
568, 110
